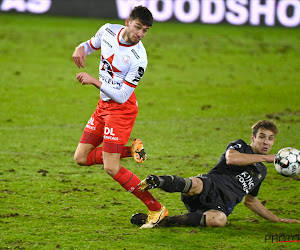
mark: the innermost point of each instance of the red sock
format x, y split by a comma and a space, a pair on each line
95, 156
130, 181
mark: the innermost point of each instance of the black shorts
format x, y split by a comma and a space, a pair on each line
210, 198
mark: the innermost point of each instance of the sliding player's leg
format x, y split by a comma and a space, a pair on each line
210, 218
173, 183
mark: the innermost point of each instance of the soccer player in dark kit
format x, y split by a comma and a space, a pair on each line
210, 198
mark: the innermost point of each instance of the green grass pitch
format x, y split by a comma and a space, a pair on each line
204, 87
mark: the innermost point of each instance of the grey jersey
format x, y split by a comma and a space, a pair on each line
237, 181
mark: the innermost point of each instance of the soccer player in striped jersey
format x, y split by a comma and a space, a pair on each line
123, 61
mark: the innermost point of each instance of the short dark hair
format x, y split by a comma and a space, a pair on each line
143, 14
266, 125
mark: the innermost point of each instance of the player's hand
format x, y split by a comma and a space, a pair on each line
270, 158
84, 78
289, 221
79, 56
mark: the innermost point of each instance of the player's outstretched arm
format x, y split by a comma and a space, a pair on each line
79, 56
257, 207
234, 157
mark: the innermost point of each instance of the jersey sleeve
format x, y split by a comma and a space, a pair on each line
238, 145
118, 95
94, 43
135, 73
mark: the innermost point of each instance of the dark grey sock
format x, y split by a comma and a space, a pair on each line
174, 183
189, 219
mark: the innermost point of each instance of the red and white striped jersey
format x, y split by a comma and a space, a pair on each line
120, 63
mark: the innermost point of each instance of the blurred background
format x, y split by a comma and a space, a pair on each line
236, 12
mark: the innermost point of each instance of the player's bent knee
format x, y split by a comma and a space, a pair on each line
80, 160
111, 163
112, 171
82, 152
218, 219
108, 170
219, 223
197, 187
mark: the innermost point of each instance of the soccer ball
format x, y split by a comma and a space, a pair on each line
287, 162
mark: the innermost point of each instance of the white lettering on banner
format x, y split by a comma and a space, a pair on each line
285, 20
239, 13
19, 6
33, 6
161, 15
236, 12
125, 6
208, 16
192, 14
266, 10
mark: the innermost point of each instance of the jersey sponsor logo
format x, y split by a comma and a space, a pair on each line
126, 59
135, 54
90, 127
109, 137
103, 78
110, 32
109, 45
109, 134
108, 65
109, 131
246, 181
91, 121
91, 124
139, 74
